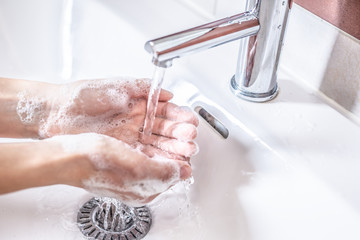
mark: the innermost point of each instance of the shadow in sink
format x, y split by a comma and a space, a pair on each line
221, 169
293, 93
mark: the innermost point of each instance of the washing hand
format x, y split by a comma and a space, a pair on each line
98, 163
117, 107
123, 164
112, 168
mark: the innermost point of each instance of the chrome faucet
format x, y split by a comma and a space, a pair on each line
261, 29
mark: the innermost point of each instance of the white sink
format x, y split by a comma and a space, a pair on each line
288, 170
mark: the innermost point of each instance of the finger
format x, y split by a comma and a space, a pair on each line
186, 149
185, 170
154, 152
165, 95
177, 130
128, 134
173, 112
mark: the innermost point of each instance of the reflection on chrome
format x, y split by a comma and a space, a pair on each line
261, 29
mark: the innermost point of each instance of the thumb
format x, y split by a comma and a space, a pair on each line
165, 96
185, 170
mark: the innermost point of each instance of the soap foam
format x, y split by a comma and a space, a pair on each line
70, 115
140, 190
117, 96
143, 188
132, 191
30, 109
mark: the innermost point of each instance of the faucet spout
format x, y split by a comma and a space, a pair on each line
203, 37
261, 29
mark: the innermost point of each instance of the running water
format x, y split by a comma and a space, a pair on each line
115, 217
152, 103
153, 99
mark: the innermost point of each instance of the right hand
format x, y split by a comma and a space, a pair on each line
116, 107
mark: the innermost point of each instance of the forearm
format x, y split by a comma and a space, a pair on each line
34, 164
23, 105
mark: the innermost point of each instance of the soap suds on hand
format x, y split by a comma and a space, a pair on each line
30, 109
95, 106
131, 190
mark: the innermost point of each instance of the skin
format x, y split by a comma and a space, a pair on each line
109, 114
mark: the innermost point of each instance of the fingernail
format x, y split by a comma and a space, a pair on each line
185, 172
170, 93
184, 132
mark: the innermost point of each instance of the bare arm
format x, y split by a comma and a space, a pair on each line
98, 163
85, 158
113, 107
33, 164
23, 104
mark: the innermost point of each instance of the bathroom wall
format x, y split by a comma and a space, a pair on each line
344, 14
316, 51
326, 58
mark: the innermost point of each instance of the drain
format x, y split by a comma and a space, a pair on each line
108, 219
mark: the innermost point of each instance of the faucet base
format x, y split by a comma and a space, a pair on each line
251, 96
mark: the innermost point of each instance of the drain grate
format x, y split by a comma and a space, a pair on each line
108, 219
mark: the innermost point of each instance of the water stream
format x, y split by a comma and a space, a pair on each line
153, 99
114, 217
152, 103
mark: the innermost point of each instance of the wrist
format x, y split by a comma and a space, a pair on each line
24, 105
37, 164
51, 164
70, 161
57, 101
34, 107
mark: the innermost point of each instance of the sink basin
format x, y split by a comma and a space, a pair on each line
289, 168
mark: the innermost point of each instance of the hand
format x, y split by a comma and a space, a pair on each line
117, 107
98, 163
112, 168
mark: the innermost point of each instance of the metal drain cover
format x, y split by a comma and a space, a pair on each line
108, 219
